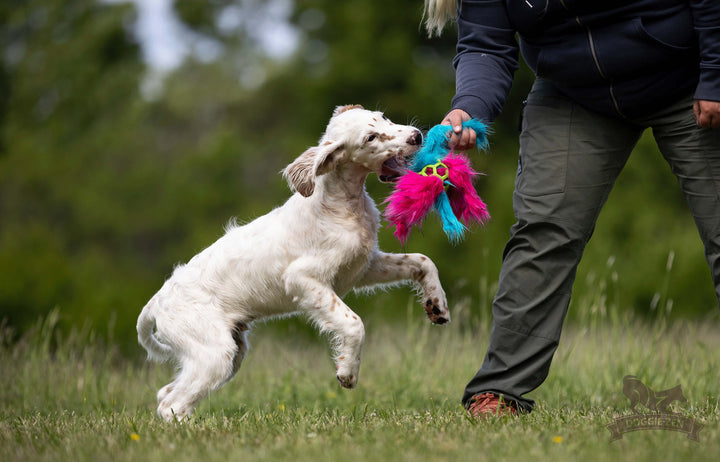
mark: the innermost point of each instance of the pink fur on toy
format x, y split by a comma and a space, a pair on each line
416, 194
412, 199
464, 200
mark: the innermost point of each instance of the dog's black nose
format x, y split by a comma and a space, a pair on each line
416, 139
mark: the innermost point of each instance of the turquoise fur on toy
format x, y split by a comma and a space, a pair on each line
435, 146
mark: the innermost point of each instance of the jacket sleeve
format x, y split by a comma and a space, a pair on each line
486, 60
706, 17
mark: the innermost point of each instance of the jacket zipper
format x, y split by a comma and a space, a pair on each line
596, 60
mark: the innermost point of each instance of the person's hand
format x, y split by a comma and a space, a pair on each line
707, 113
462, 139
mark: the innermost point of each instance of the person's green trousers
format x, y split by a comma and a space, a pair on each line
569, 160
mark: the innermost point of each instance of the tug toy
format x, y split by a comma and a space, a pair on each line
438, 179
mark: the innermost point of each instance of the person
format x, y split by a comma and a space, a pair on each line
605, 71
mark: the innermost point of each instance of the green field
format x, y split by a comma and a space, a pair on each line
75, 398
110, 177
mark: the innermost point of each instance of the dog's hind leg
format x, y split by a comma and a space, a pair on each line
204, 368
164, 391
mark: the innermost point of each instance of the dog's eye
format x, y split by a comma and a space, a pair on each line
370, 138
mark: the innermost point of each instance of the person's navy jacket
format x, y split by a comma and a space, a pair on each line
621, 58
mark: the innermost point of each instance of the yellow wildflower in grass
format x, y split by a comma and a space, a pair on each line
134, 437
557, 439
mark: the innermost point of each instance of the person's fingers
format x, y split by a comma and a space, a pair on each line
459, 138
455, 119
466, 140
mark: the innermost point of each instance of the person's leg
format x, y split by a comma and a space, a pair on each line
569, 160
694, 157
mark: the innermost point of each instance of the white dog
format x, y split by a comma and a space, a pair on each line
300, 258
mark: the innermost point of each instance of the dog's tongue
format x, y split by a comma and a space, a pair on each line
392, 169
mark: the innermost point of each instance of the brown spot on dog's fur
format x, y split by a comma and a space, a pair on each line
340, 109
384, 137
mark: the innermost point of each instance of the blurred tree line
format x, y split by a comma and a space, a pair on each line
103, 188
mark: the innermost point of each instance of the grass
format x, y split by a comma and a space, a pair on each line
74, 398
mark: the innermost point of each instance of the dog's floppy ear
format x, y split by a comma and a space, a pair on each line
300, 173
316, 161
328, 156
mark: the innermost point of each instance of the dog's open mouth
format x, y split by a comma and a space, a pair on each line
392, 169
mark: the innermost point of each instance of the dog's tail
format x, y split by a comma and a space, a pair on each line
157, 351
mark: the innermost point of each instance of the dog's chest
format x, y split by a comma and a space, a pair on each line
356, 242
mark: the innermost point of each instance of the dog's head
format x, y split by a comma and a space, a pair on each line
367, 140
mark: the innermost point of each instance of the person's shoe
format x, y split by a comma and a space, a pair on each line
484, 405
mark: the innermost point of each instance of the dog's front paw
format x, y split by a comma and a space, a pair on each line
437, 311
347, 381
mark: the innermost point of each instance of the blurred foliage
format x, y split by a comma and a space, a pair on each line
103, 190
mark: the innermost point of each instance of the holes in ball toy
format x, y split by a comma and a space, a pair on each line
439, 170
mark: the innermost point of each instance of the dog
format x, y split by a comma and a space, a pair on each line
300, 258
656, 401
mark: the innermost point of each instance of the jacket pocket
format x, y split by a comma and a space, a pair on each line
639, 47
544, 142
